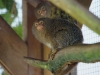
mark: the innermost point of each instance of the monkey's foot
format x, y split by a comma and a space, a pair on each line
52, 54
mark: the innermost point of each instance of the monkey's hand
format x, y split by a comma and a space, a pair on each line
52, 54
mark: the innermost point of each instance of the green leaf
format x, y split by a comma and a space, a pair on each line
7, 16
1, 5
10, 5
18, 29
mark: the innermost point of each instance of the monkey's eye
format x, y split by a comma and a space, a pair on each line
39, 11
36, 24
41, 22
43, 8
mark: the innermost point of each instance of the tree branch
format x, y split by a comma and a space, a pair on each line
36, 62
80, 53
87, 53
80, 13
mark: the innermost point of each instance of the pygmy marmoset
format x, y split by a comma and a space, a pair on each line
46, 9
56, 33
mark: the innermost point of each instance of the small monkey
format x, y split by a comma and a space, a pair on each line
56, 33
47, 10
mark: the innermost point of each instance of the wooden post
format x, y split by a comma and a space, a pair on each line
35, 48
12, 51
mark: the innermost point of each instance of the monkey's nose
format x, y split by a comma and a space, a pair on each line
40, 27
43, 13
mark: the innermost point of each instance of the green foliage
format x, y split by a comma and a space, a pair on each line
8, 4
7, 17
11, 13
4, 73
2, 6
18, 30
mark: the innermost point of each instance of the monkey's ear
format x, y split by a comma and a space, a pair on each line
40, 22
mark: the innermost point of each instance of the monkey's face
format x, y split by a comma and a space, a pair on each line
42, 25
39, 25
43, 10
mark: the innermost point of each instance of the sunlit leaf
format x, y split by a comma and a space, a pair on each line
7, 16
18, 29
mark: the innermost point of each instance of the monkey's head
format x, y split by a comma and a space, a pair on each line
43, 9
42, 24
